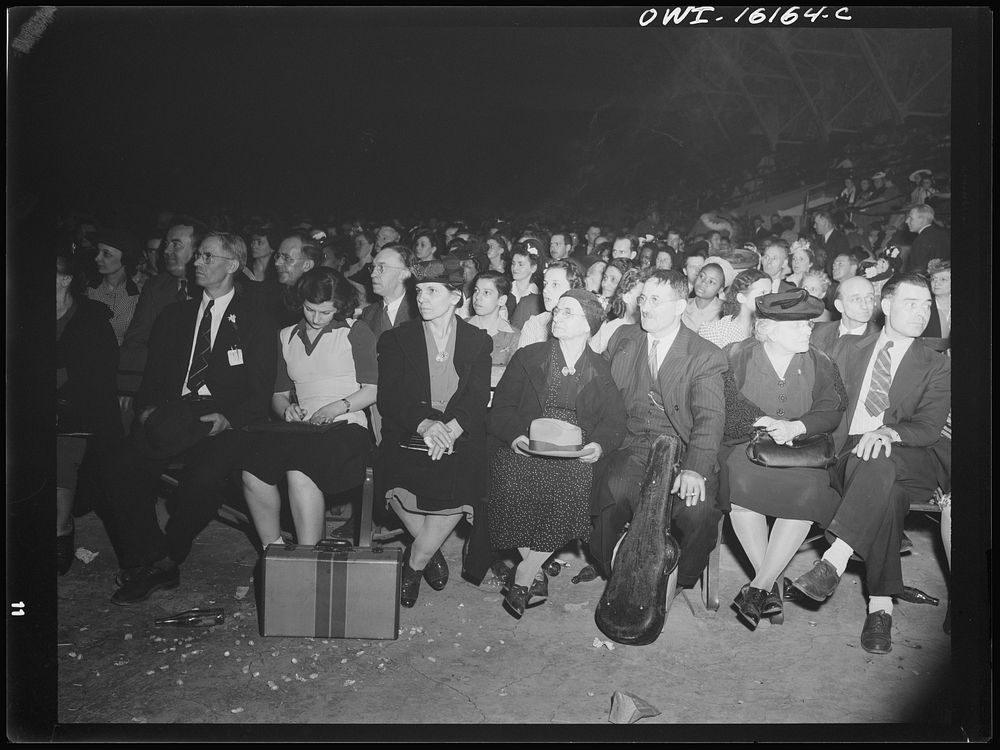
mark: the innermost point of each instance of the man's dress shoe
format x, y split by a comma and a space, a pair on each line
876, 636
819, 582
149, 579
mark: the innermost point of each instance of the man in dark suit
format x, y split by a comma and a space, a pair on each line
899, 393
391, 269
931, 241
181, 240
210, 371
685, 399
774, 262
855, 301
830, 241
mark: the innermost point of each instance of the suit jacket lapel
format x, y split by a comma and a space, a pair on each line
537, 375
856, 372
907, 375
675, 363
415, 349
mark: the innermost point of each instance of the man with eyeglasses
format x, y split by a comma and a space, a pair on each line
210, 371
390, 271
298, 253
671, 381
855, 301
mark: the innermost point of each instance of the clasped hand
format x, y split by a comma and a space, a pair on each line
781, 431
439, 437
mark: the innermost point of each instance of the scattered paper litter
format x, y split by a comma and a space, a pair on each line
598, 642
487, 649
128, 636
237, 710
431, 658
241, 591
348, 683
85, 556
628, 708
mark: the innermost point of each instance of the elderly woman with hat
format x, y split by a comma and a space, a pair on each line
541, 484
118, 257
779, 383
433, 388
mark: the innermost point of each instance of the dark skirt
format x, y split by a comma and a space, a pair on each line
538, 502
334, 460
801, 494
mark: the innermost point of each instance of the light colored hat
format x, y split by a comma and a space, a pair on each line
554, 437
728, 272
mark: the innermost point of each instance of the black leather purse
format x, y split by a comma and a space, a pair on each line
814, 452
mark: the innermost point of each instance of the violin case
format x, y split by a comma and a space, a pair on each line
633, 608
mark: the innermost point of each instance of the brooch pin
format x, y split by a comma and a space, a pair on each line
567, 371
441, 357
232, 319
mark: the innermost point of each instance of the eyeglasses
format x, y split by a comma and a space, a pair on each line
562, 312
209, 258
382, 268
285, 258
642, 299
859, 299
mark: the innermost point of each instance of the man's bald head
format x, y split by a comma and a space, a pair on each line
855, 301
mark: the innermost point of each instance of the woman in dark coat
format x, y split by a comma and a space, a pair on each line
538, 504
88, 418
433, 388
779, 382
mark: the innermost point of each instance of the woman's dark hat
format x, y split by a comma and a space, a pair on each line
591, 307
796, 304
170, 429
447, 271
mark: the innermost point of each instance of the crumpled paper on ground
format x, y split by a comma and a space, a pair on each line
628, 708
85, 556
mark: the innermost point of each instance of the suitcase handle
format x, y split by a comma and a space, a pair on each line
335, 543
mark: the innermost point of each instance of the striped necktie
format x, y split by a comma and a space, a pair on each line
202, 348
182, 290
878, 391
386, 322
654, 370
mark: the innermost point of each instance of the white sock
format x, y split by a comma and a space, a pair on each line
877, 603
838, 555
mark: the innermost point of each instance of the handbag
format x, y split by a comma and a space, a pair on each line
814, 452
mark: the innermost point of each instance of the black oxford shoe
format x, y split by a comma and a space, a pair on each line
876, 636
140, 586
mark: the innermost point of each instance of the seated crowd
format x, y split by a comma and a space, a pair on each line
295, 358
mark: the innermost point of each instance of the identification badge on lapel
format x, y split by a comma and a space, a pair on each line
235, 357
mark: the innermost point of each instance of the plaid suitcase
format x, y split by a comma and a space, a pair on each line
335, 589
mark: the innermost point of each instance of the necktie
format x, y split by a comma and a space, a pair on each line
654, 370
386, 322
878, 391
182, 290
202, 348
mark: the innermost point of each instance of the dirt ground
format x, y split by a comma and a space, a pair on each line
460, 659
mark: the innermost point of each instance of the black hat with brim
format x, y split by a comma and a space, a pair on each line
796, 304
171, 429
